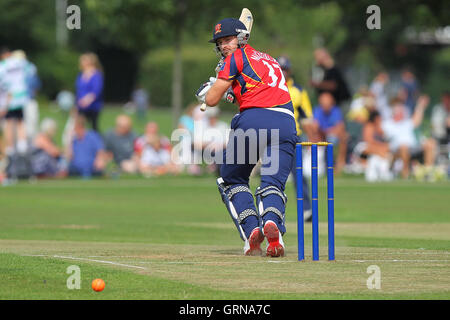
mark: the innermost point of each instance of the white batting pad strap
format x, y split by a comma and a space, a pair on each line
271, 190
246, 213
274, 210
236, 190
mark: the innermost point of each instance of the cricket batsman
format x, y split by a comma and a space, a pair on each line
255, 82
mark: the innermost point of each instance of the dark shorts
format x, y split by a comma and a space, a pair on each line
14, 114
279, 148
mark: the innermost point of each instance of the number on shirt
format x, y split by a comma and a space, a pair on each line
273, 76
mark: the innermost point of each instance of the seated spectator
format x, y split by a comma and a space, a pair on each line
215, 139
188, 122
155, 159
151, 129
440, 120
376, 149
330, 126
379, 89
119, 144
409, 89
187, 119
361, 106
400, 132
86, 153
373, 136
144, 150
46, 157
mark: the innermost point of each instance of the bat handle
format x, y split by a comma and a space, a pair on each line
203, 107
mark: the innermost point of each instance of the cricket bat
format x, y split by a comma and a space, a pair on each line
247, 19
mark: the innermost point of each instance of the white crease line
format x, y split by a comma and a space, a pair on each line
395, 253
100, 261
399, 260
230, 262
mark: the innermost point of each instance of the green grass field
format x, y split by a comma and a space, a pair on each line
171, 238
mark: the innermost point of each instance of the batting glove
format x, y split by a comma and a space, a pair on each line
229, 96
203, 90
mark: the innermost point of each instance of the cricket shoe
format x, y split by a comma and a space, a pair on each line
252, 245
275, 248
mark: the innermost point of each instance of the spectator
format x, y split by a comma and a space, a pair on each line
376, 149
46, 158
363, 103
333, 81
141, 101
13, 84
187, 119
186, 155
357, 116
373, 136
409, 89
86, 153
151, 129
31, 108
378, 89
329, 126
89, 88
440, 120
119, 144
196, 122
156, 159
399, 130
215, 139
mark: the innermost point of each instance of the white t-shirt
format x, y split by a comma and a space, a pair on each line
154, 158
438, 121
400, 133
13, 81
378, 89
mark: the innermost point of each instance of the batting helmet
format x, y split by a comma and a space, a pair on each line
229, 27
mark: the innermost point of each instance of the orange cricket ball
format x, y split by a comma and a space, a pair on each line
98, 285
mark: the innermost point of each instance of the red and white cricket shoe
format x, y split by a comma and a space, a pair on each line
252, 245
275, 248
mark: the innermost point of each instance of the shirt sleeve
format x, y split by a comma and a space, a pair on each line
97, 84
232, 66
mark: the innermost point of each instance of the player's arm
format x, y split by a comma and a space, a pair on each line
422, 104
217, 91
